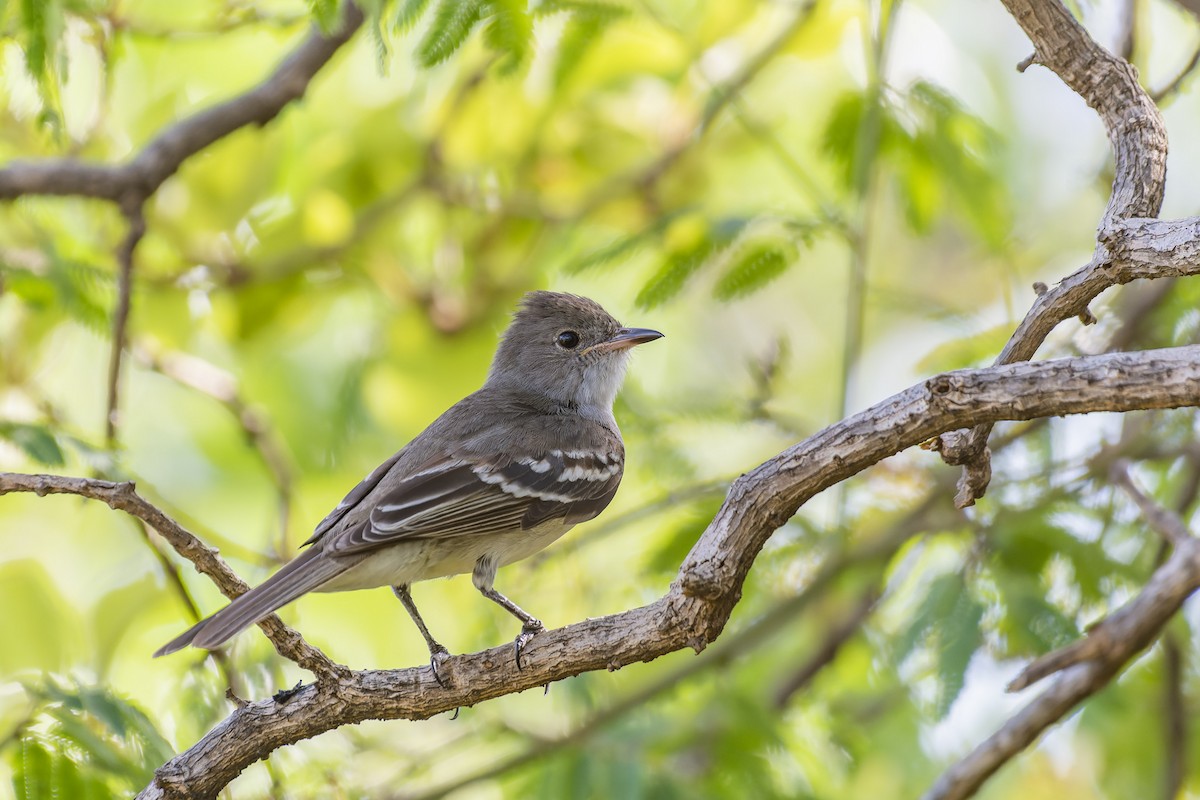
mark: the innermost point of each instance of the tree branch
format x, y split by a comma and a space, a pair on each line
696, 607
1139, 141
131, 183
120, 324
1175, 718
837, 636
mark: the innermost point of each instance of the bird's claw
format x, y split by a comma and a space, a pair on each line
528, 631
436, 659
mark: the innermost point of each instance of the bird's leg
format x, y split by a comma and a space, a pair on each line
483, 576
437, 653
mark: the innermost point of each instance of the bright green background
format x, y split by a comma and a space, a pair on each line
346, 269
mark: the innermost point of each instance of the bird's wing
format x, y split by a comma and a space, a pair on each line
353, 498
457, 497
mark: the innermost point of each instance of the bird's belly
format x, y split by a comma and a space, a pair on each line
423, 559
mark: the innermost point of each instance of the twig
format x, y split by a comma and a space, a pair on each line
1162, 521
1177, 82
837, 636
1143, 616
1175, 718
123, 497
1088, 665
137, 228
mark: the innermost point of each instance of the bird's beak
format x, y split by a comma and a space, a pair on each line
627, 338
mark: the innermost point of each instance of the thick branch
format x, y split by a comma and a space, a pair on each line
131, 183
695, 609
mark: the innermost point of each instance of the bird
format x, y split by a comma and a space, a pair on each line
499, 476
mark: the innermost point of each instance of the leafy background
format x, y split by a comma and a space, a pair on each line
818, 202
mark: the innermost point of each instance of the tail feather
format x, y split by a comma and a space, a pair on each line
302, 574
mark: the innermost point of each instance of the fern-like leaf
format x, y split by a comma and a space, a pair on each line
407, 14
452, 23
624, 246
751, 270
581, 33
36, 440
509, 32
672, 276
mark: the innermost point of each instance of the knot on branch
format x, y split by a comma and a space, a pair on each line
699, 579
698, 621
966, 449
940, 385
173, 781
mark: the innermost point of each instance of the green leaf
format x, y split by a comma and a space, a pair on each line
325, 12
593, 7
108, 738
672, 276
452, 23
407, 14
951, 162
509, 32
921, 190
82, 290
959, 637
752, 270
1031, 625
580, 34
966, 351
841, 133
35, 25
939, 598
36, 440
623, 246
692, 242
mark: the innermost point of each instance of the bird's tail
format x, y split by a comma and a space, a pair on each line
302, 574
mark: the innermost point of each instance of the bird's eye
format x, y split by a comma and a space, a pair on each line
568, 340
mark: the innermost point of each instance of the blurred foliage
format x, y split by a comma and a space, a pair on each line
83, 742
309, 295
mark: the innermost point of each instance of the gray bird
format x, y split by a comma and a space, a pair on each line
496, 478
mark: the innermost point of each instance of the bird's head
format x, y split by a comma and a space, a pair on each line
566, 348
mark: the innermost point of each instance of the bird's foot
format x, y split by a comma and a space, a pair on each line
530, 629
